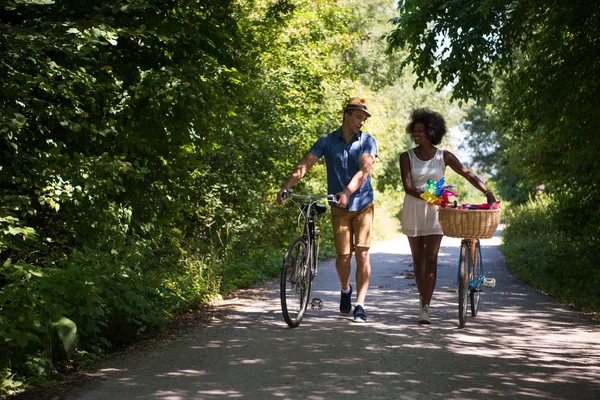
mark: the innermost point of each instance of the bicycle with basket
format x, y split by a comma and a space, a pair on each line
470, 225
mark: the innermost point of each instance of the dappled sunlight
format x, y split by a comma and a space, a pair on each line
247, 362
103, 370
171, 394
186, 372
221, 393
384, 373
520, 345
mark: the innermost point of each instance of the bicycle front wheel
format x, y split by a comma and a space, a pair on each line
295, 282
476, 274
463, 282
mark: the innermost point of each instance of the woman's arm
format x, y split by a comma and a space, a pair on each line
453, 162
407, 182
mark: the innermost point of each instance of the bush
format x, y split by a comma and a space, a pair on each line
547, 246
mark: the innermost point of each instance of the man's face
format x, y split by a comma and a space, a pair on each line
356, 120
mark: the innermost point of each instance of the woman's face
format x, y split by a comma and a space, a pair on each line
419, 135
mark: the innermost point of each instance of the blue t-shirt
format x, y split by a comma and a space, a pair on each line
343, 161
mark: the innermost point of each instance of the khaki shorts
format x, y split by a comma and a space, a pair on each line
352, 229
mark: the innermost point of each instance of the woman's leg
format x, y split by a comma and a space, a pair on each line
431, 248
417, 249
424, 250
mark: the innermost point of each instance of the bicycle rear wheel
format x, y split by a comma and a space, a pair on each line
463, 282
476, 273
295, 282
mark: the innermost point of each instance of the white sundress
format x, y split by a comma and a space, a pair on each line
418, 218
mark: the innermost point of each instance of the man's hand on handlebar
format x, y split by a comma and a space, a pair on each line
342, 199
333, 199
282, 195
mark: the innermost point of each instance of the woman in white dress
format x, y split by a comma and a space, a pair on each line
420, 220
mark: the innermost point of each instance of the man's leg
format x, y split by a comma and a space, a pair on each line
363, 273
362, 225
342, 237
342, 266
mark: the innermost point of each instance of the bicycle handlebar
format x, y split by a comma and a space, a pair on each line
311, 197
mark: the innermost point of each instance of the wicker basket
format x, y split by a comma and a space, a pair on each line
469, 224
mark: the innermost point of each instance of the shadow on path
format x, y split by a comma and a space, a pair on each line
522, 345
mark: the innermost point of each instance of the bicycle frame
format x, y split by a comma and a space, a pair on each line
475, 247
308, 213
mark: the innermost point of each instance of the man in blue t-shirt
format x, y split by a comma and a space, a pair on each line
349, 155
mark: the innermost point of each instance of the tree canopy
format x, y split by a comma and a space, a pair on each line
537, 62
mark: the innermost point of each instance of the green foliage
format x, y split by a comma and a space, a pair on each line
546, 245
494, 154
47, 311
536, 61
142, 145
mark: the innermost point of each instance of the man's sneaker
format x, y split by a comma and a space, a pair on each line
346, 302
359, 314
425, 315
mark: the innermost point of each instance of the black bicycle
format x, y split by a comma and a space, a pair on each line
300, 263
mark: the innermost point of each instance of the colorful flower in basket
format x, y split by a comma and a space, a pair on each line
437, 194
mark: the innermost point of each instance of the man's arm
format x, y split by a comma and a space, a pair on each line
364, 168
301, 169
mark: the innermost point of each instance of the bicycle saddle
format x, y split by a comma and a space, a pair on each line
319, 208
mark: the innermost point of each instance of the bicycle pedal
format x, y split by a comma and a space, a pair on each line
316, 303
489, 282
